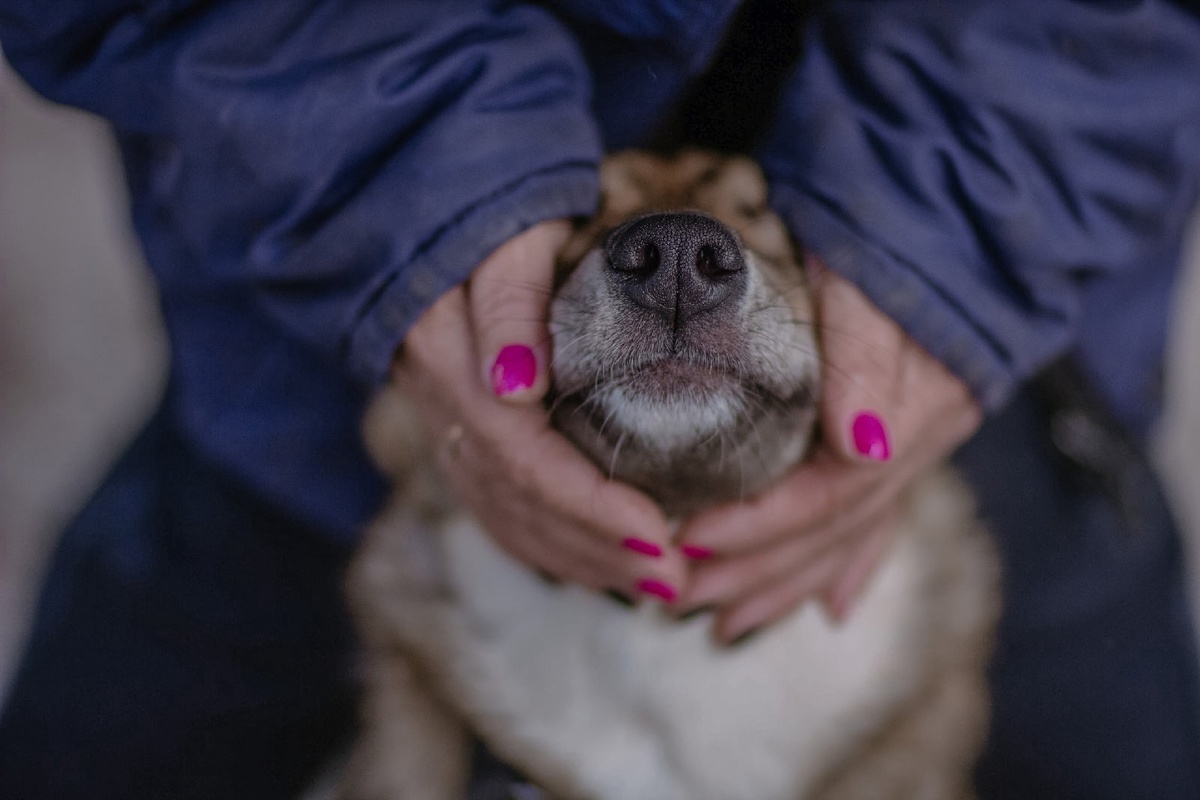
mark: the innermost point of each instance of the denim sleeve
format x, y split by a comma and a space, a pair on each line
973, 165
343, 163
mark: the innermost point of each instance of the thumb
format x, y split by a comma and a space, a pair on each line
863, 353
509, 296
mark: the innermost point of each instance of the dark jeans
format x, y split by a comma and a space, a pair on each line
1094, 678
191, 641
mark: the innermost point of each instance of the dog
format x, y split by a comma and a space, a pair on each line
685, 363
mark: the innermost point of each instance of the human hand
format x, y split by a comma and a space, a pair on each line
476, 364
888, 411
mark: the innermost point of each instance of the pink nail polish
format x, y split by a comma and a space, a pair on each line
642, 546
696, 552
659, 589
515, 368
870, 438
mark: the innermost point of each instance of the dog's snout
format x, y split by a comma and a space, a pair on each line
677, 265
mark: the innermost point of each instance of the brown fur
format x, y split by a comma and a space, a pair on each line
414, 746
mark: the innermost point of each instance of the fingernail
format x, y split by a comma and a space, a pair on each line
619, 598
642, 546
870, 438
841, 611
695, 612
829, 610
663, 591
742, 638
515, 368
696, 552
843, 604
547, 578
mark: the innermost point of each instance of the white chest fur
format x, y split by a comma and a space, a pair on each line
599, 703
612, 704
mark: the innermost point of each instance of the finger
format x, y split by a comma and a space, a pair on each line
576, 498
848, 586
575, 489
727, 580
509, 297
808, 498
861, 348
773, 602
838, 576
619, 535
547, 561
520, 441
565, 559
723, 582
573, 499
438, 350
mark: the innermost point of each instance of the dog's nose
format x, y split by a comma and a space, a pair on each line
677, 264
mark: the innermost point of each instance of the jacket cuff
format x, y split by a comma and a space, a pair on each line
569, 190
900, 291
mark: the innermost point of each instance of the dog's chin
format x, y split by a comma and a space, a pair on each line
661, 409
688, 435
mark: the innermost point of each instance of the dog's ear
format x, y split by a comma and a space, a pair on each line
392, 434
628, 183
737, 186
735, 192
730, 188
584, 236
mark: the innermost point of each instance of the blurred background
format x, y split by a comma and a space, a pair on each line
82, 358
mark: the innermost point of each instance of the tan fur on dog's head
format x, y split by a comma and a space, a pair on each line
730, 188
685, 356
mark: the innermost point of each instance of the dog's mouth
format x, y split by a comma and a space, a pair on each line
670, 378
668, 394
689, 435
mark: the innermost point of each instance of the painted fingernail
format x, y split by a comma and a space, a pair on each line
642, 546
515, 368
696, 552
657, 588
870, 438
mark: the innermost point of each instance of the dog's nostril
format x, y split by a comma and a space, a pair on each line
637, 259
706, 262
677, 264
651, 257
711, 264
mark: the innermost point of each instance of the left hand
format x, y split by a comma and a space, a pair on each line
889, 410
535, 494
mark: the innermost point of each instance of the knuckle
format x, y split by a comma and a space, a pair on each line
497, 300
524, 475
832, 499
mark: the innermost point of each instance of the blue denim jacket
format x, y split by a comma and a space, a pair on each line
1007, 179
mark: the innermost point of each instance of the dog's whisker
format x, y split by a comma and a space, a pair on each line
612, 466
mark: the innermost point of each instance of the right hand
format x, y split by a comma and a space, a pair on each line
820, 532
534, 493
